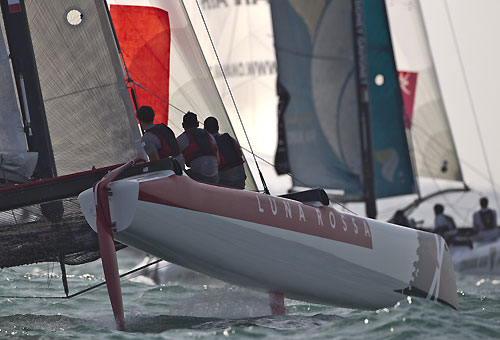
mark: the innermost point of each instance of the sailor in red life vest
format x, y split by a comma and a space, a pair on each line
199, 149
158, 139
231, 170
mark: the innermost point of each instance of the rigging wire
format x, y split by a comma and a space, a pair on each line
302, 182
251, 151
266, 190
86, 290
434, 179
472, 106
463, 161
255, 155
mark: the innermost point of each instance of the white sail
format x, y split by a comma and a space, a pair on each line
243, 37
433, 146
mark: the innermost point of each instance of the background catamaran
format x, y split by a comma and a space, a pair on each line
427, 125
316, 64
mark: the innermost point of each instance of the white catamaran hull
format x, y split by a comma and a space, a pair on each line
482, 259
310, 253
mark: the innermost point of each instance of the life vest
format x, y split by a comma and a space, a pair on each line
488, 219
169, 146
200, 144
229, 152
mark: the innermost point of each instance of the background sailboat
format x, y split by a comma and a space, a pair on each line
432, 124
432, 149
344, 126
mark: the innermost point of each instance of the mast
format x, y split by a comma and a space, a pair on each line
364, 107
28, 86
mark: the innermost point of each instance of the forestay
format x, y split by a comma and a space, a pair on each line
243, 36
186, 74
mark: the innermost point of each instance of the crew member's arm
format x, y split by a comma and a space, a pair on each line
150, 142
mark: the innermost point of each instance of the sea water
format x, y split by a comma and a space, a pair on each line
214, 310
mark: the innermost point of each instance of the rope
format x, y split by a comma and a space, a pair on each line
473, 108
251, 151
266, 190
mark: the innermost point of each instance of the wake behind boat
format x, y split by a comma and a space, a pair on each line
304, 250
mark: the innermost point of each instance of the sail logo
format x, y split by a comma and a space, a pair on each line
216, 4
408, 84
254, 68
14, 6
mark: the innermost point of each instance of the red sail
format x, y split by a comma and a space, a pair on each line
408, 84
144, 37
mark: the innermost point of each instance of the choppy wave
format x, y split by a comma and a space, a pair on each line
216, 310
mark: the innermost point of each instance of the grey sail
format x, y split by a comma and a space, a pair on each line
16, 164
89, 112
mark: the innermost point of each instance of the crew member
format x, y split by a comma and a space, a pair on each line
199, 149
444, 225
231, 169
485, 222
399, 218
158, 139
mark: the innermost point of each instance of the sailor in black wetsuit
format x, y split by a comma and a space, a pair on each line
444, 225
231, 170
158, 139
